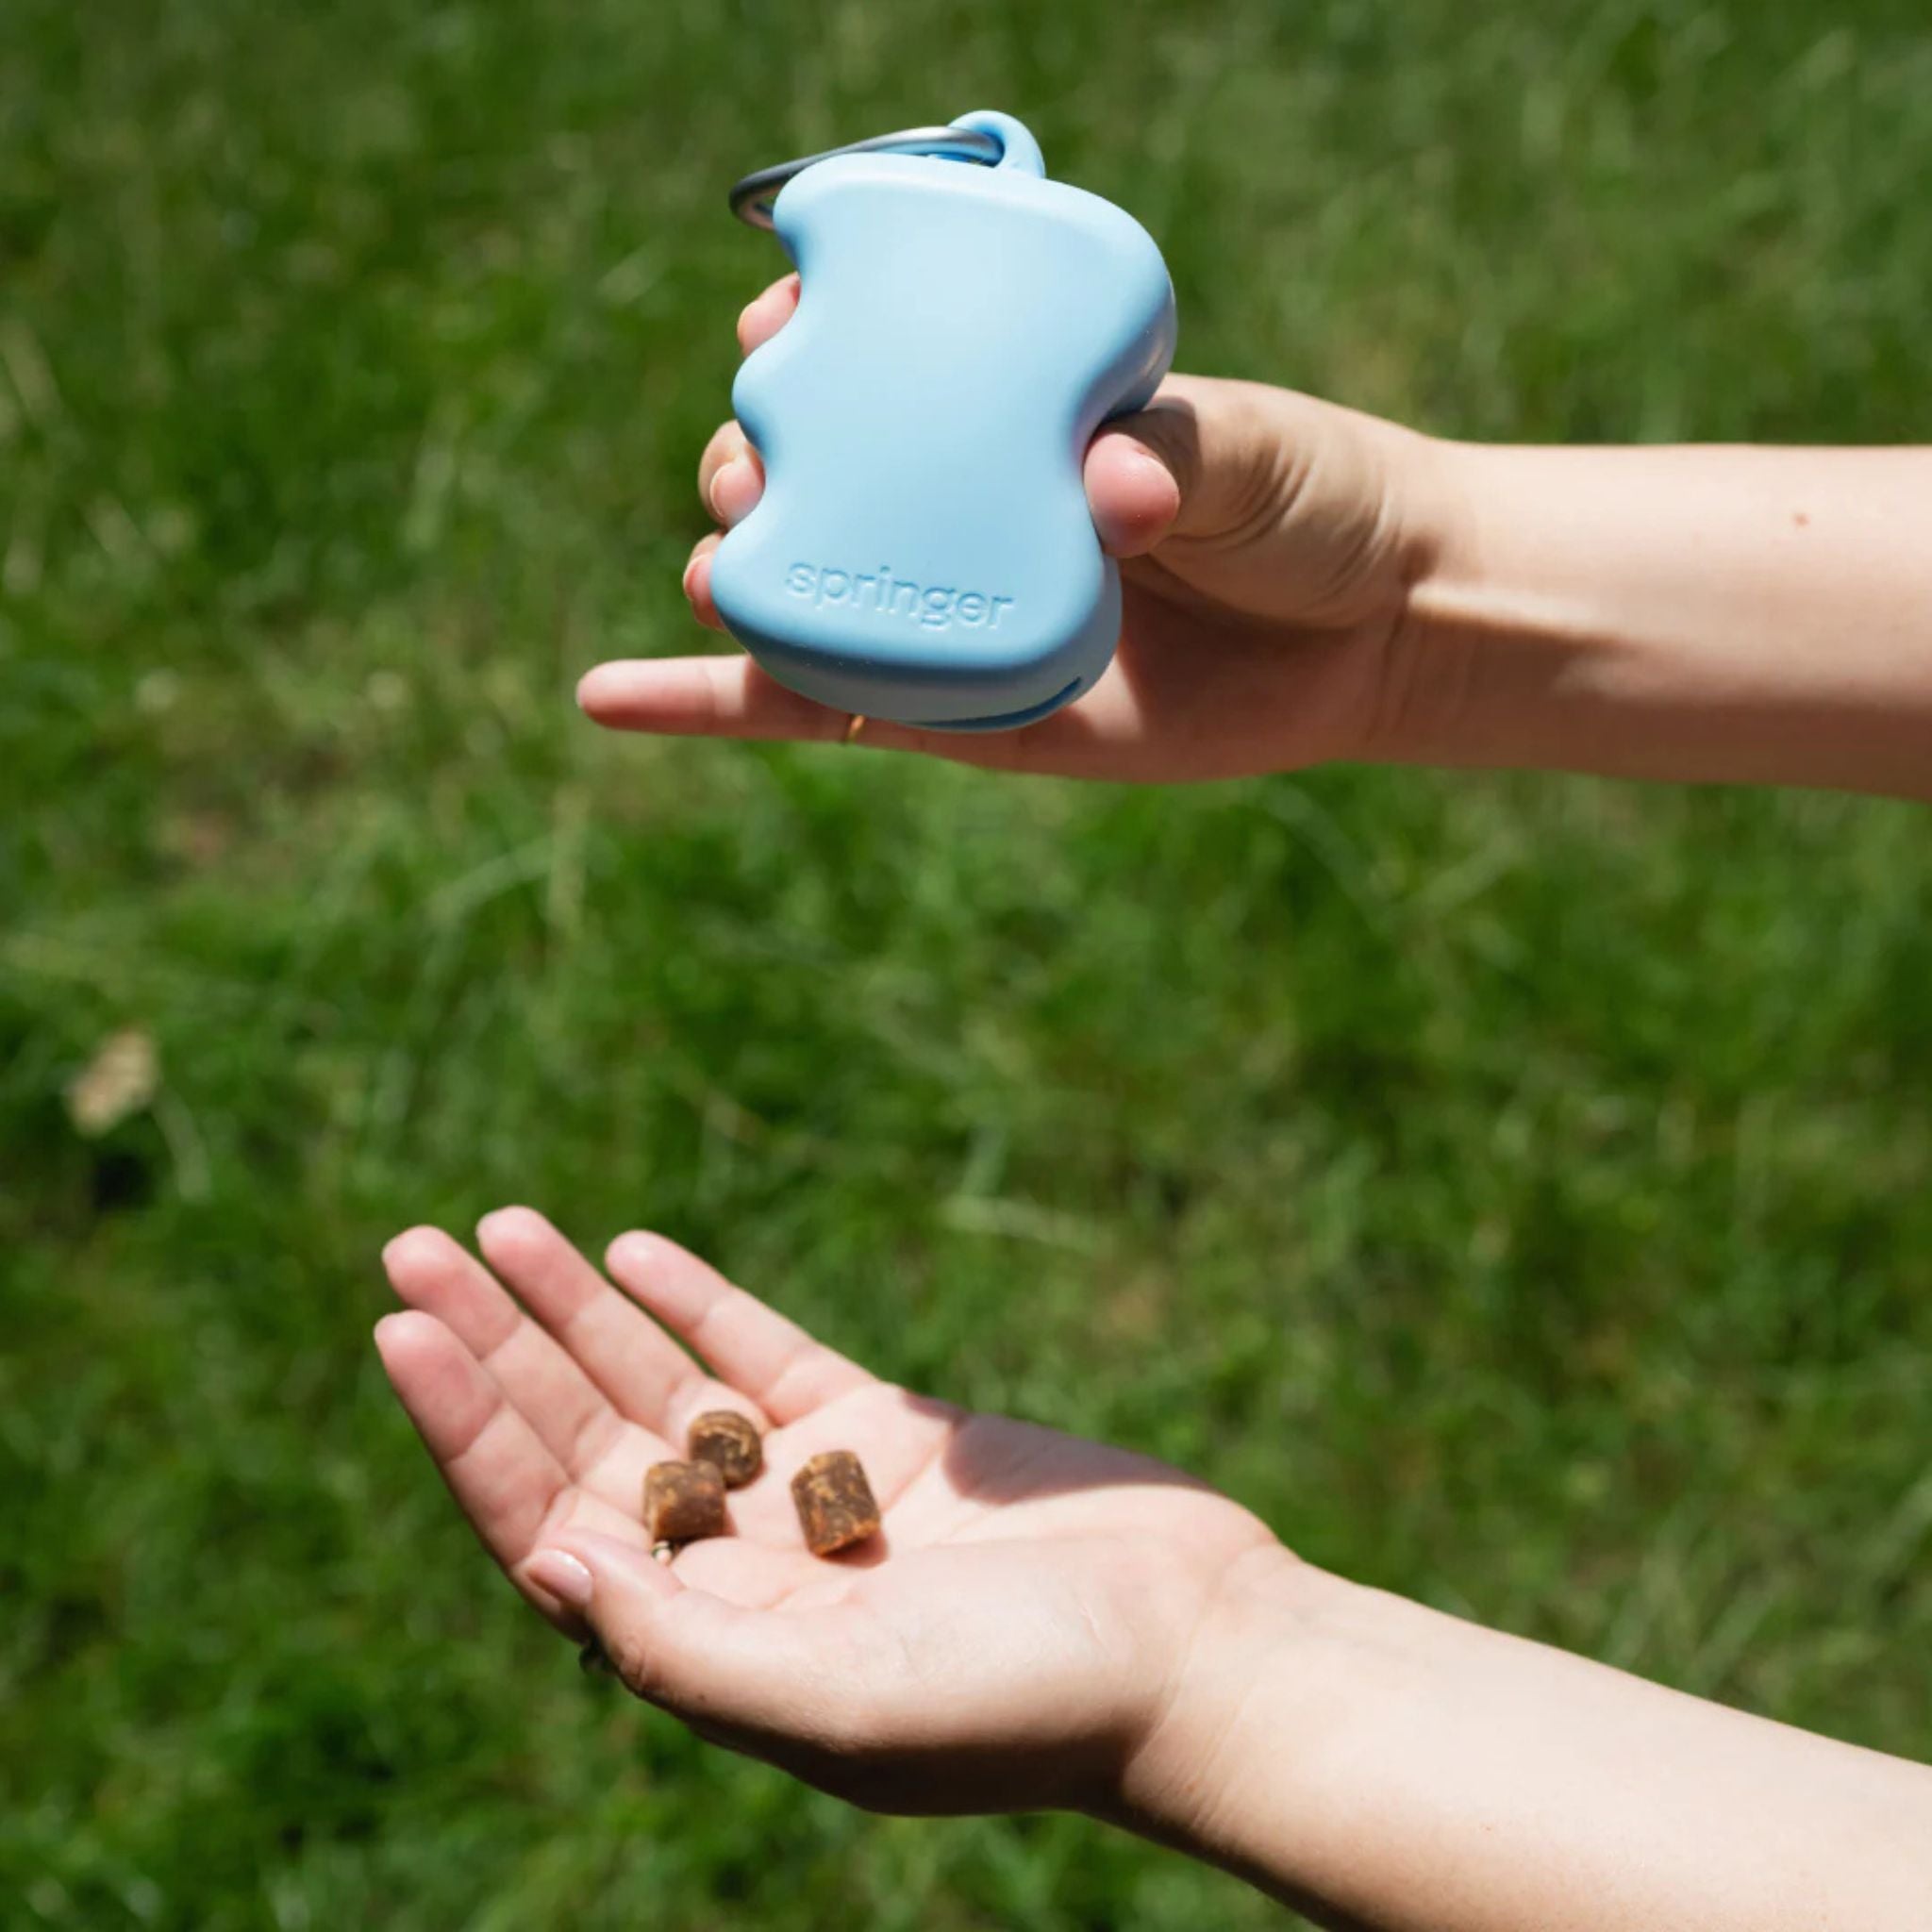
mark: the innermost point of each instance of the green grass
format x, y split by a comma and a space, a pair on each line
1516, 1189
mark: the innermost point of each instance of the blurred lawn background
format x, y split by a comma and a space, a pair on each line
1516, 1189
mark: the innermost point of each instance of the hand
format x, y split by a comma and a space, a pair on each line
1010, 1640
1047, 1623
1269, 543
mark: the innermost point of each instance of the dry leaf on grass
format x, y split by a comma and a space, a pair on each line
117, 1081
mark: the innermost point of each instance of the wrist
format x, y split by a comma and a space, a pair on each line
1487, 653
1265, 1662
1457, 652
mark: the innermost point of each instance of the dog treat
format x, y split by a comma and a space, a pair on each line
729, 1443
683, 1501
834, 1502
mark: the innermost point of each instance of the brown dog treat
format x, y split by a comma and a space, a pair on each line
683, 1501
729, 1443
834, 1502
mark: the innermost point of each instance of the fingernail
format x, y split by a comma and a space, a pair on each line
629, 1250
508, 1220
718, 485
563, 1577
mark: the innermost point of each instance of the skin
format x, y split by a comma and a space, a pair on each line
1045, 1622
1304, 583
1002, 1643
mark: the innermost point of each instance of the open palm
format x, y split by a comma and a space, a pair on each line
1006, 1641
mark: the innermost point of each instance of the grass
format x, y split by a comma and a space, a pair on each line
1514, 1188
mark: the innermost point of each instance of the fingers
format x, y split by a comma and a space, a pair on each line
504, 1480
697, 581
430, 1271
730, 476
1133, 494
1224, 445
763, 1673
767, 313
702, 697
731, 479
646, 1376
727, 441
752, 1346
1169, 428
730, 697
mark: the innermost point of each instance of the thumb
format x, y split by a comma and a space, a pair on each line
1133, 491
713, 1664
1231, 450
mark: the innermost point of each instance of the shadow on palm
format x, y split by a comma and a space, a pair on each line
544, 1407
1002, 1643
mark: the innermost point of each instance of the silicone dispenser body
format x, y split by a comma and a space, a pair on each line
924, 551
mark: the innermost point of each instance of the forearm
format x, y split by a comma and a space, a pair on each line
1382, 1765
1731, 615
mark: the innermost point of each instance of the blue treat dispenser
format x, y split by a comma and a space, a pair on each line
923, 551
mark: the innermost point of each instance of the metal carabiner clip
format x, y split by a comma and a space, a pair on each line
753, 196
